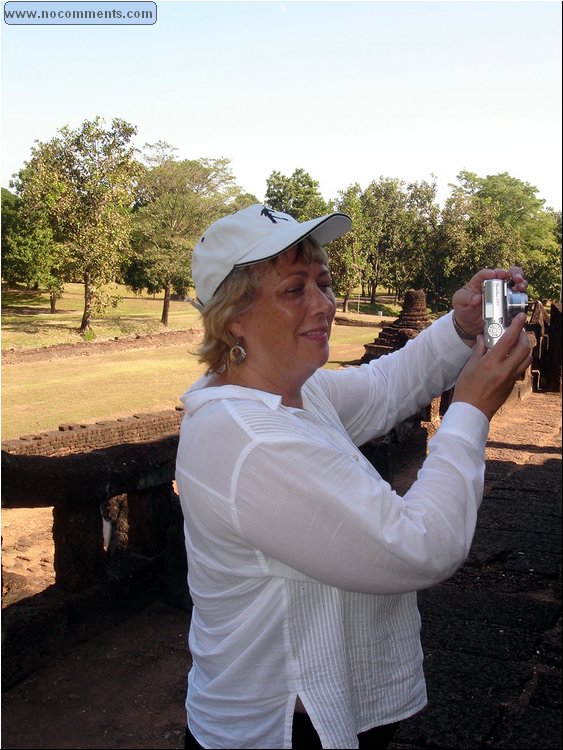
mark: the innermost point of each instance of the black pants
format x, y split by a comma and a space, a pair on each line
304, 736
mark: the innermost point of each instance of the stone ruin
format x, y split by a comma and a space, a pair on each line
111, 476
412, 319
545, 332
408, 439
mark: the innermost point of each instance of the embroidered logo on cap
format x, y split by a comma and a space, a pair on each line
268, 213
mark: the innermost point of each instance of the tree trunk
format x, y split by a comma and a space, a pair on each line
166, 305
345, 301
53, 297
87, 314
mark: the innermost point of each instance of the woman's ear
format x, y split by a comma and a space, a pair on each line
236, 328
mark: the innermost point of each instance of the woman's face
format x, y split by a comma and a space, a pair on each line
287, 329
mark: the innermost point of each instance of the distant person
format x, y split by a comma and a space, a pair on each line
303, 562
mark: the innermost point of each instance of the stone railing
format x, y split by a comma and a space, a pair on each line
117, 530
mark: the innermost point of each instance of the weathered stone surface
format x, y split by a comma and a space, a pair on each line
113, 477
412, 319
91, 477
80, 438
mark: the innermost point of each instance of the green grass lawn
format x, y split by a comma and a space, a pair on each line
37, 397
28, 323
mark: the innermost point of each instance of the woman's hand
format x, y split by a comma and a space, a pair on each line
467, 300
487, 379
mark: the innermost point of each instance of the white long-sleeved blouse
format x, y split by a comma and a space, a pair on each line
303, 562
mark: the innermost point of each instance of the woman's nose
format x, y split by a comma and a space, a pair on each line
325, 300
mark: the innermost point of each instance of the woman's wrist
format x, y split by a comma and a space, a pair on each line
465, 335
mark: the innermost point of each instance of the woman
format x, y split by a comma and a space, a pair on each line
303, 562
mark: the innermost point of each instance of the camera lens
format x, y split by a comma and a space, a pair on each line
516, 302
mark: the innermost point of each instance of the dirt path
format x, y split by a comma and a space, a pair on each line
57, 351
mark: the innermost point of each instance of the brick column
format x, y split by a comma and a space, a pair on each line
80, 559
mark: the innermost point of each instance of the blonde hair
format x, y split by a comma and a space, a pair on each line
235, 296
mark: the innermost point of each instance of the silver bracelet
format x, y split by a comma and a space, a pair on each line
461, 333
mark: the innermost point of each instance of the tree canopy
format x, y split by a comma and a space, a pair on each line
348, 254
298, 195
86, 207
81, 185
29, 252
176, 201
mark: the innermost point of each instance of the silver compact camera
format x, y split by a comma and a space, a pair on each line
500, 306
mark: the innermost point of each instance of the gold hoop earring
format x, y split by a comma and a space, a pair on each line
237, 354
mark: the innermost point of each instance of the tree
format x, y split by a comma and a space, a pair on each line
29, 253
545, 273
450, 264
348, 253
508, 225
384, 204
176, 201
10, 205
416, 220
423, 266
297, 195
83, 182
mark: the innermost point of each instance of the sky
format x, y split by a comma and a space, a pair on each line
348, 91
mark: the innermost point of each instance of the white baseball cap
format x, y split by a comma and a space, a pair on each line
251, 235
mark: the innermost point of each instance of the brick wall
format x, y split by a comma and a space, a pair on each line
81, 438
